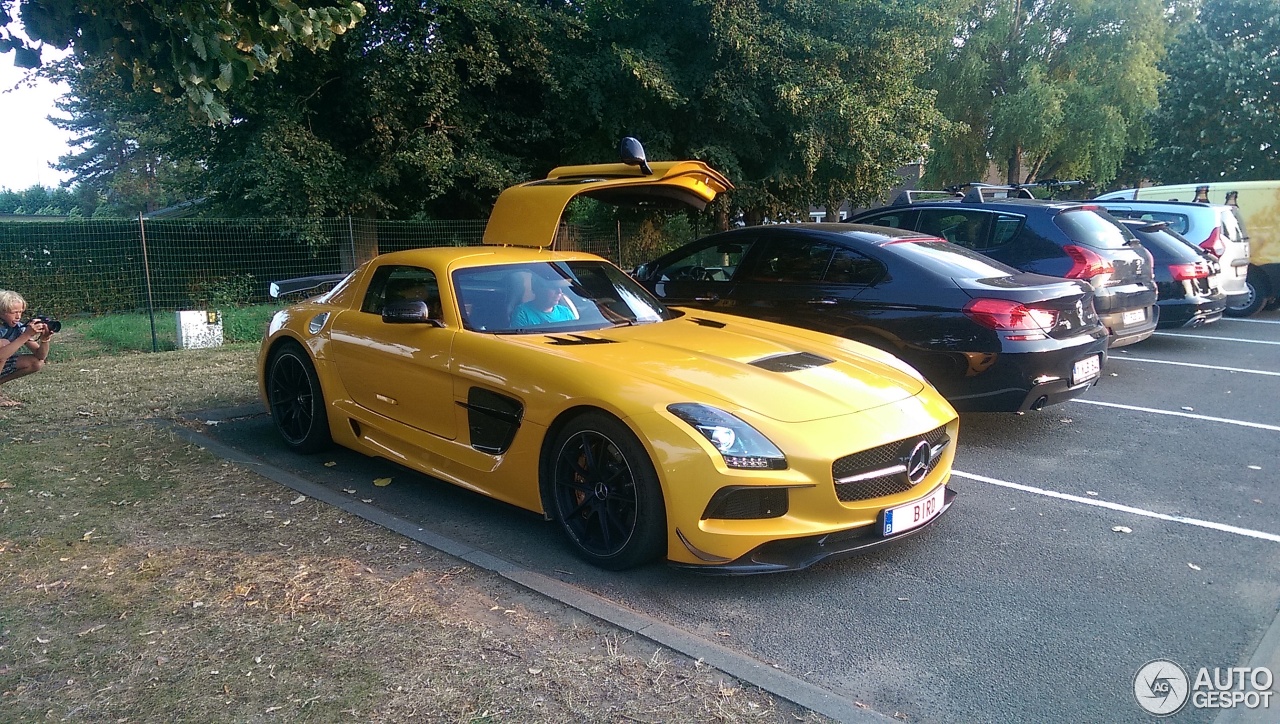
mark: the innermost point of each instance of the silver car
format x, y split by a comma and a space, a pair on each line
1214, 228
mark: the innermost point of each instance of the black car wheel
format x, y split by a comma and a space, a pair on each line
606, 493
1259, 296
297, 403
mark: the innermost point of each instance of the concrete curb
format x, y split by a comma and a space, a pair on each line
743, 667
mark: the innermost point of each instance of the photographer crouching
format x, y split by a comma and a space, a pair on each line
35, 335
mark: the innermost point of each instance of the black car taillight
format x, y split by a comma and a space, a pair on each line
1086, 263
1008, 316
1189, 271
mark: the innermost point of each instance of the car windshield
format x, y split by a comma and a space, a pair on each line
543, 297
1088, 226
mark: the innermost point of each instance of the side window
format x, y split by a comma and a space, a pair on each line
1007, 228
715, 262
900, 219
402, 284
801, 261
970, 229
850, 267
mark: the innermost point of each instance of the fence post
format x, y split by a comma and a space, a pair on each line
351, 243
146, 273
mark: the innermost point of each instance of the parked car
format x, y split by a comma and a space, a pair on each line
1213, 228
553, 382
1061, 239
1258, 206
1184, 276
989, 337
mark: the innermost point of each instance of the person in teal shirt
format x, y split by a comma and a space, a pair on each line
549, 304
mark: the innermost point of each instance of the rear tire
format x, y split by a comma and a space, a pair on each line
1259, 296
605, 493
296, 400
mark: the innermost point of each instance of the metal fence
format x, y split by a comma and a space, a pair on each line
100, 266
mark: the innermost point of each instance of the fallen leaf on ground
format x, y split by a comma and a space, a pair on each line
1193, 566
330, 464
382, 482
1122, 529
297, 500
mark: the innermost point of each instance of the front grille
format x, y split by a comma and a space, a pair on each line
877, 458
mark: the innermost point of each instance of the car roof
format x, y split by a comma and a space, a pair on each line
460, 257
867, 233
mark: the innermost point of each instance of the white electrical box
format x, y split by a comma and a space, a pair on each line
199, 330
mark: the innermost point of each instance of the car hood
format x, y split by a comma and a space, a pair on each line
742, 365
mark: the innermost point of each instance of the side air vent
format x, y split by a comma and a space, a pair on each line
791, 362
707, 322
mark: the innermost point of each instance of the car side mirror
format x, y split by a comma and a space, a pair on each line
642, 272
409, 312
632, 154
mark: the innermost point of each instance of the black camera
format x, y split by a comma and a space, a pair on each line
53, 324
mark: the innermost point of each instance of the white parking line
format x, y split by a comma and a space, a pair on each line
1250, 321
1191, 364
1221, 339
1122, 508
1229, 421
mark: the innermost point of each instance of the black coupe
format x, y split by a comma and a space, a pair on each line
989, 337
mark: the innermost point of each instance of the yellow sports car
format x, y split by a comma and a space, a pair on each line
552, 381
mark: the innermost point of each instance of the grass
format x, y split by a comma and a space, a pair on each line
143, 579
132, 332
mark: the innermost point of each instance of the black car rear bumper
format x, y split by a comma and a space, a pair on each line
1030, 378
1123, 334
793, 554
1192, 311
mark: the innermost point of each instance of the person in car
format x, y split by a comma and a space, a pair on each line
549, 304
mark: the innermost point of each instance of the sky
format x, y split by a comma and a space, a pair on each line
29, 142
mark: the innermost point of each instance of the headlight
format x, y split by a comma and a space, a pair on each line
741, 445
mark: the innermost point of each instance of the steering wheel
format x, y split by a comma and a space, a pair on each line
698, 273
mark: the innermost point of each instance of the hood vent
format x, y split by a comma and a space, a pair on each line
707, 322
791, 362
578, 339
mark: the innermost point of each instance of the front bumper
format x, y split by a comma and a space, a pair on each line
793, 554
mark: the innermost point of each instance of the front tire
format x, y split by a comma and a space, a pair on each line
605, 493
296, 400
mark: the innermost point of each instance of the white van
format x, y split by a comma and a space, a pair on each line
1258, 203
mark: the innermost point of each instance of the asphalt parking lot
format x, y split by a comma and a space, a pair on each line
1139, 523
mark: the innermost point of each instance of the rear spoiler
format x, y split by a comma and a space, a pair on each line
302, 284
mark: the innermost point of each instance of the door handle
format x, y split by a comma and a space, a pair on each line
824, 300
708, 298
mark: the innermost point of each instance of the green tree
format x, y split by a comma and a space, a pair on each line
1046, 88
1221, 106
185, 49
121, 139
799, 103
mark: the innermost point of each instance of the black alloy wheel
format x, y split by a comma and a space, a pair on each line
606, 493
297, 403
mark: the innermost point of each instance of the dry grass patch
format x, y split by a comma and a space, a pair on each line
142, 579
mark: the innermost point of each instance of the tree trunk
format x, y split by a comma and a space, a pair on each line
753, 217
833, 210
1015, 166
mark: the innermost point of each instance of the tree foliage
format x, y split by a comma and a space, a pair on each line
1046, 88
189, 49
430, 109
1221, 107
